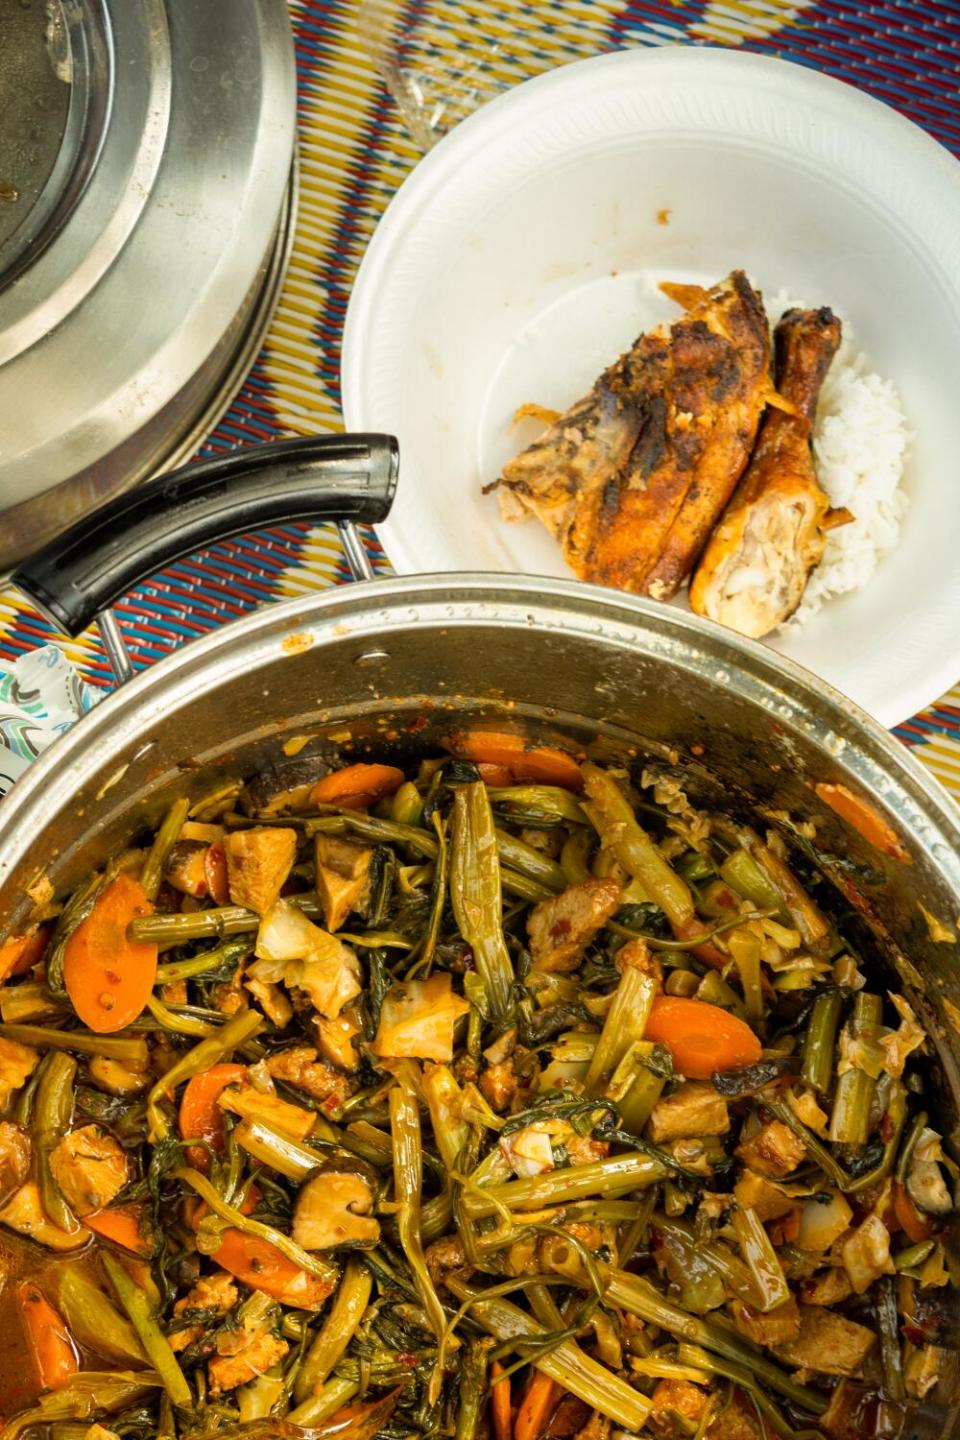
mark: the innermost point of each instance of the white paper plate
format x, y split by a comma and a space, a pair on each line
523, 254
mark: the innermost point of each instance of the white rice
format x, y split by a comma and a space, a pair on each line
860, 444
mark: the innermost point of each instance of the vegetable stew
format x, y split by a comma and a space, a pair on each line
506, 1095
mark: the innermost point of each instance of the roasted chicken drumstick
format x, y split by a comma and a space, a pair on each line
753, 571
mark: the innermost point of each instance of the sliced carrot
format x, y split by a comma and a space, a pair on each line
540, 1398
701, 1037
866, 819
108, 977
525, 760
215, 871
200, 1116
357, 787
262, 1266
123, 1225
49, 1339
915, 1226
21, 952
500, 1409
497, 775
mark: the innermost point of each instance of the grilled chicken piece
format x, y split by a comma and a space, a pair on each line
754, 570
255, 1352
211, 1292
631, 479
827, 1342
17, 1062
258, 863
694, 1109
90, 1168
774, 1151
300, 1067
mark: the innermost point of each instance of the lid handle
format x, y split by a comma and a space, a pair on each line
347, 478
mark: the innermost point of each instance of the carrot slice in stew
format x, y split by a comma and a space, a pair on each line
49, 1340
866, 819
525, 760
21, 952
540, 1398
701, 1037
500, 1408
356, 787
108, 977
122, 1225
263, 1267
200, 1115
497, 775
915, 1226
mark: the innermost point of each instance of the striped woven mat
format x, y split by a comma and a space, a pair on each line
380, 81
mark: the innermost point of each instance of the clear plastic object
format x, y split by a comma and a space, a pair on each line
443, 60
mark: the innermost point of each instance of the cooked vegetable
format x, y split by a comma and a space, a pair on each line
53, 1351
559, 1106
108, 976
701, 1038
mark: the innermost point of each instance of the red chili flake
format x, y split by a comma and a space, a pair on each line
419, 722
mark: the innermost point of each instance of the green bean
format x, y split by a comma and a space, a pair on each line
621, 833
211, 1051
29, 1001
850, 1116
169, 930
530, 862
744, 876
389, 832
216, 959
475, 892
821, 1040
573, 856
522, 887
549, 799
82, 1042
407, 1185
625, 1021
913, 1255
735, 1275
634, 1087
317, 1408
178, 1023
288, 1157
54, 1107
94, 1321
638, 1296
616, 1175
303, 1259
891, 1356
565, 1362
437, 903
337, 1331
163, 842
154, 1342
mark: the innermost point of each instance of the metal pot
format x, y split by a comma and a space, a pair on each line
389, 662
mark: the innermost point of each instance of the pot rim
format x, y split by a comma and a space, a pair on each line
368, 612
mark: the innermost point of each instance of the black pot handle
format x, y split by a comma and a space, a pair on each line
328, 477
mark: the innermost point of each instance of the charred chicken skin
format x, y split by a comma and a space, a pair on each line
633, 477
754, 569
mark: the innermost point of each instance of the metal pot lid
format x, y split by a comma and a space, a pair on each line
145, 197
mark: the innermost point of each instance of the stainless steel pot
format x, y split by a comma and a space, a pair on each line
390, 663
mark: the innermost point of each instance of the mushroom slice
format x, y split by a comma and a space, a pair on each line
284, 789
333, 1208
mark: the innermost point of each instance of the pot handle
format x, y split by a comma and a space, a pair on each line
347, 478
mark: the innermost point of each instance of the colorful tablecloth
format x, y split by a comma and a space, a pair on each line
380, 81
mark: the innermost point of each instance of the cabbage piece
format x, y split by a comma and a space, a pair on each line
866, 1255
821, 1223
417, 1020
901, 1043
292, 949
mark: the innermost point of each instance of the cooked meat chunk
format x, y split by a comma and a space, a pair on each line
258, 1352
228, 996
14, 1158
632, 479
279, 1114
560, 929
694, 1109
827, 1287
343, 877
774, 1151
90, 1168
299, 1066
24, 1213
737, 1420
17, 1062
754, 1192
211, 1292
827, 1342
771, 1327
680, 1396
446, 1254
498, 1085
597, 1427
333, 1210
258, 864
754, 570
